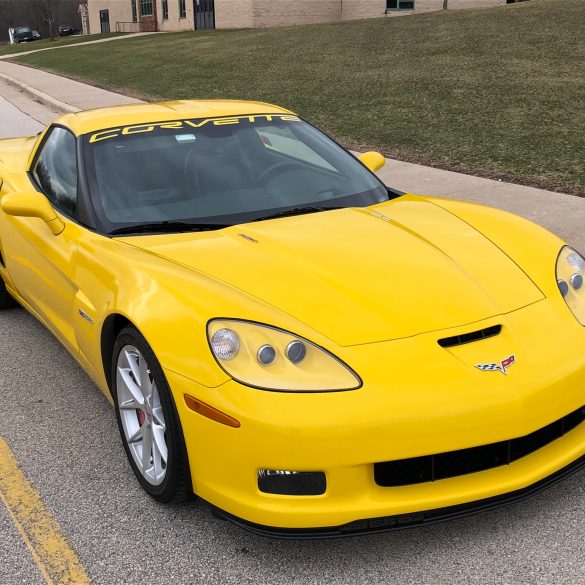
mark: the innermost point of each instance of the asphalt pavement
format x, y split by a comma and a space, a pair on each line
63, 432
16, 562
14, 122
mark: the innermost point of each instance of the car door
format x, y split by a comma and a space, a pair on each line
40, 263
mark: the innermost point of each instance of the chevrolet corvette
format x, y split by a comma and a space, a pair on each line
311, 352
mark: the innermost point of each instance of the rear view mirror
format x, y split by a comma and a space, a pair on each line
373, 160
32, 204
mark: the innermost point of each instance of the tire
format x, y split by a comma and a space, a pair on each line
154, 422
6, 301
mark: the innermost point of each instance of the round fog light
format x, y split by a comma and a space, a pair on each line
563, 287
225, 344
266, 355
576, 281
296, 351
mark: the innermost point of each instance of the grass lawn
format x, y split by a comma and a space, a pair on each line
58, 42
496, 92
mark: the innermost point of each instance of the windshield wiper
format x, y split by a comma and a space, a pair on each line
296, 211
168, 227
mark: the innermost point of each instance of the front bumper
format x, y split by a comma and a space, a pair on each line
418, 399
390, 523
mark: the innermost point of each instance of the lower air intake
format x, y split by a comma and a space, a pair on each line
465, 461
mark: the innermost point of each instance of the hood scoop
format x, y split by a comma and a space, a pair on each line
470, 337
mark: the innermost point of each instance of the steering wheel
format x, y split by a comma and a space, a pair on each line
274, 171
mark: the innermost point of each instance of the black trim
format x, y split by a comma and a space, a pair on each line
414, 520
470, 337
85, 211
351, 370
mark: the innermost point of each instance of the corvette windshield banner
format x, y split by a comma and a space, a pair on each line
185, 124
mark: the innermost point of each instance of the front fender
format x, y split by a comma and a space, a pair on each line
170, 305
533, 248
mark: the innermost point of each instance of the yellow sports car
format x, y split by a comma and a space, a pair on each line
312, 353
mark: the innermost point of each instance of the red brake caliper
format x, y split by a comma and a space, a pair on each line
140, 413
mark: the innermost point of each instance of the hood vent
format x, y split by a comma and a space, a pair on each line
470, 337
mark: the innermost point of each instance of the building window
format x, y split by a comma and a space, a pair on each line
145, 7
165, 6
182, 9
134, 13
399, 5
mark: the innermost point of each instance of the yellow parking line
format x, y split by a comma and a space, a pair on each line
41, 533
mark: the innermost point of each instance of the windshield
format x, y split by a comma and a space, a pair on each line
22, 30
221, 171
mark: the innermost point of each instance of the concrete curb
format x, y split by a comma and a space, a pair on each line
44, 98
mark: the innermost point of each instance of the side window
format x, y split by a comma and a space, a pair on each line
56, 171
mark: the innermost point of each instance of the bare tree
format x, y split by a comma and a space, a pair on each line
44, 8
8, 18
445, 2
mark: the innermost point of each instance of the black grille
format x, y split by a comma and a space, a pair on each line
464, 461
470, 337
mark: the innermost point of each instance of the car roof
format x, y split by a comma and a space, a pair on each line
127, 115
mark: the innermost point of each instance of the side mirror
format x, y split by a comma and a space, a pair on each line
32, 204
373, 160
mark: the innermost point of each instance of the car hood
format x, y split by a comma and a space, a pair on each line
360, 275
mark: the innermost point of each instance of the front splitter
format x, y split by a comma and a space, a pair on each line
400, 522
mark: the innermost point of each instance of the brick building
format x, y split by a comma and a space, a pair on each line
177, 15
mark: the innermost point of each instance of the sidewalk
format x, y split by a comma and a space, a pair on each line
562, 214
120, 38
64, 94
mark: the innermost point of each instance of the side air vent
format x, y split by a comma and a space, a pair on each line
2, 260
470, 337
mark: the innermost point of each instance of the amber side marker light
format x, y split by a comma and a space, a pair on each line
210, 412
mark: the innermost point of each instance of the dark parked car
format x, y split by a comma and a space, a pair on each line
23, 34
66, 31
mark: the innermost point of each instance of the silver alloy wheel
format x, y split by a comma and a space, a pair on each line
142, 415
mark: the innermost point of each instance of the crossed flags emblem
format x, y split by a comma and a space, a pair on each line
501, 367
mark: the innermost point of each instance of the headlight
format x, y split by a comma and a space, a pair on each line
272, 359
570, 270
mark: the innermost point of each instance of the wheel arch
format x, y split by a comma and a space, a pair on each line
111, 328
